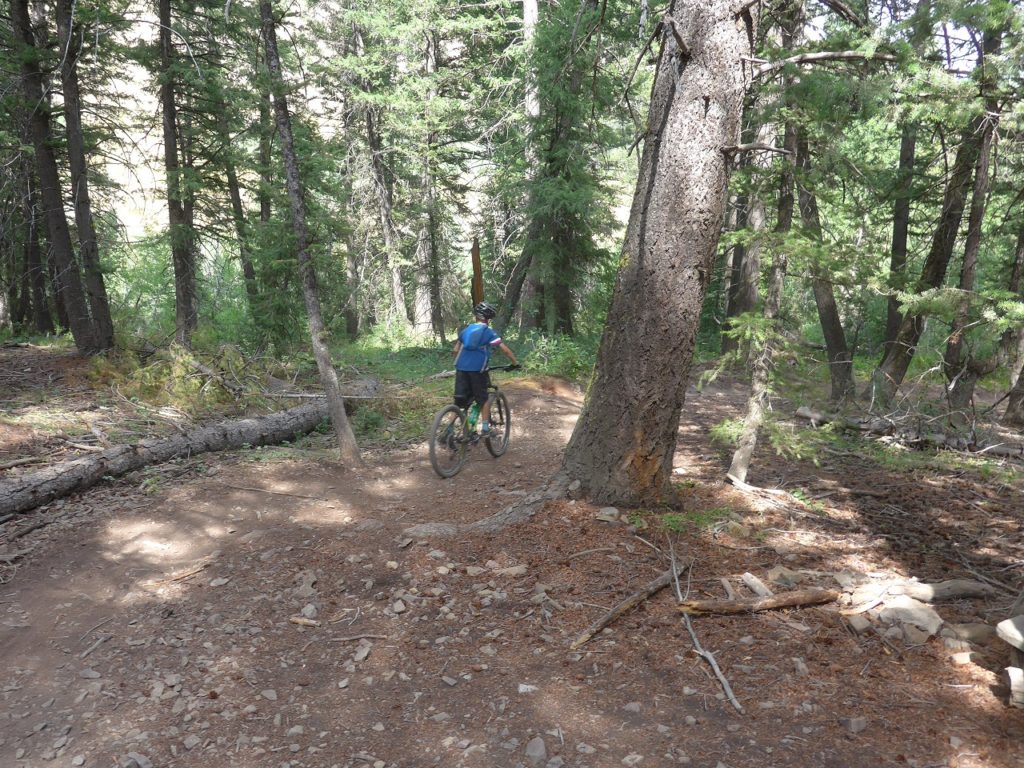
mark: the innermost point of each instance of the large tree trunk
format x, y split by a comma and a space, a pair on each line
234, 188
1014, 415
99, 306
959, 365
42, 320
900, 231
385, 206
238, 216
889, 375
623, 444
264, 160
43, 486
1015, 338
181, 235
67, 273
310, 291
840, 359
427, 299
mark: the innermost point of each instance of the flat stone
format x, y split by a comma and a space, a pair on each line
192, 741
536, 751
853, 724
428, 530
133, 759
859, 624
585, 749
962, 658
309, 611
784, 577
89, 674
972, 633
633, 759
906, 610
269, 694
1012, 631
398, 607
515, 570
633, 706
219, 582
914, 635
1015, 681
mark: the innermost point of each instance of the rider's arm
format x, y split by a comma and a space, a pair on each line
458, 348
508, 353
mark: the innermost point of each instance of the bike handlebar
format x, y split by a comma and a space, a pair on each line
509, 367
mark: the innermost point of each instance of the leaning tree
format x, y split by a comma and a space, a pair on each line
622, 447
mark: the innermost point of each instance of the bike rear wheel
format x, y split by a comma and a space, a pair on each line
448, 441
501, 425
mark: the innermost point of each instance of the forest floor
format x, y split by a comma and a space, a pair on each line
151, 618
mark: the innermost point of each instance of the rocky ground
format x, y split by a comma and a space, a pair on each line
269, 608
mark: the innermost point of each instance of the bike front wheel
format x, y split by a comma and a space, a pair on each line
448, 441
501, 425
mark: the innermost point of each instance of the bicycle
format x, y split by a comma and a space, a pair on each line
451, 436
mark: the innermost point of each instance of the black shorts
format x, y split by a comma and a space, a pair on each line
470, 386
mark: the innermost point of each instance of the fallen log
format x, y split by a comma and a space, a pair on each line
34, 489
913, 437
798, 597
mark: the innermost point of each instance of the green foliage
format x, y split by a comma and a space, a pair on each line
727, 433
558, 355
701, 519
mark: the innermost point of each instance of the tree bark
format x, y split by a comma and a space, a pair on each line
88, 247
238, 216
1015, 339
900, 231
427, 316
310, 291
385, 206
840, 359
180, 232
68, 276
889, 374
42, 320
1014, 415
266, 138
621, 449
231, 174
959, 365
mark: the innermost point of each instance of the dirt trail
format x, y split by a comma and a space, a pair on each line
159, 626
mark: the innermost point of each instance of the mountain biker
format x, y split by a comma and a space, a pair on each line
472, 357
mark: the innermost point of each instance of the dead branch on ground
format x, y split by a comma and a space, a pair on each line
796, 598
629, 603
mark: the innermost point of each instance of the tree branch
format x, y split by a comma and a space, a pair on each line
846, 12
736, 149
814, 58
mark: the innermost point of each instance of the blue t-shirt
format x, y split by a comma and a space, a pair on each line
477, 340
